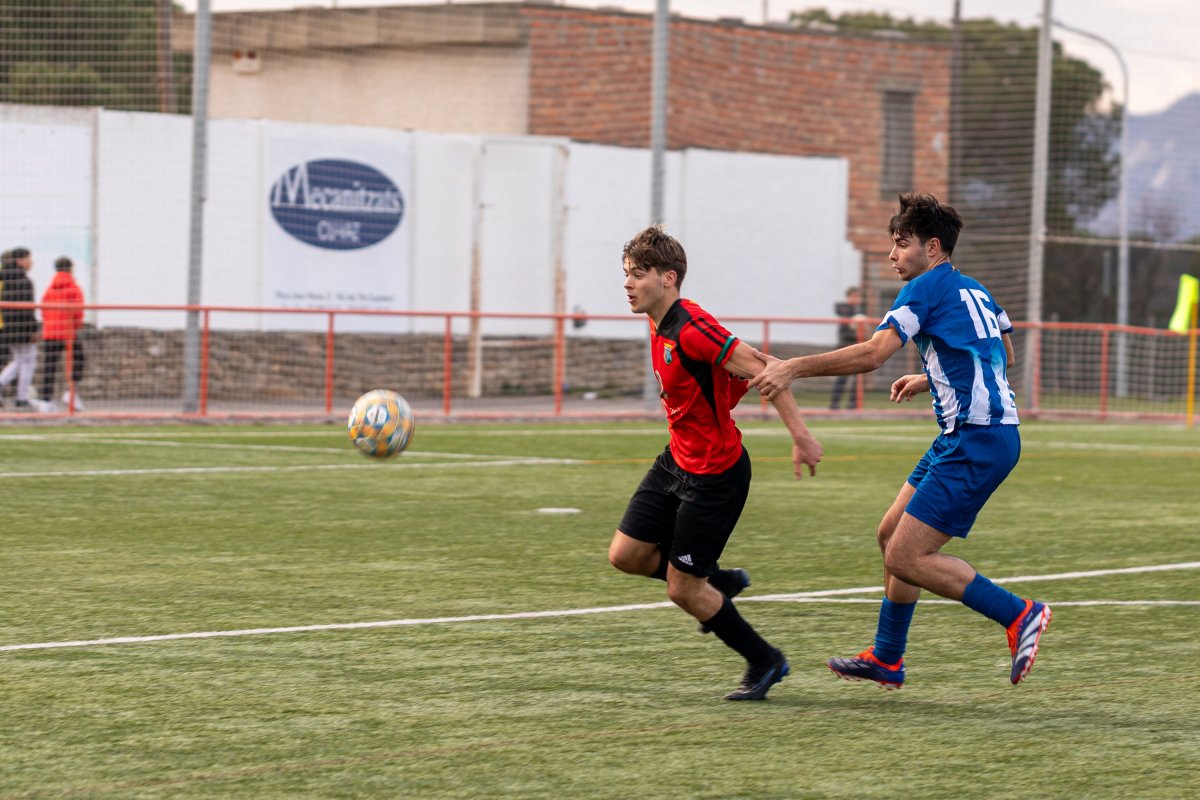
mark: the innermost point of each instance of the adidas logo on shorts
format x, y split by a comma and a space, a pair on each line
685, 559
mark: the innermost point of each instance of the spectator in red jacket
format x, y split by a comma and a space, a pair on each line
60, 329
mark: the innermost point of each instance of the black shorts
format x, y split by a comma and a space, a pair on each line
689, 516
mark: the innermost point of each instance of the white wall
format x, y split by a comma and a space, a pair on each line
46, 179
142, 214
765, 235
444, 168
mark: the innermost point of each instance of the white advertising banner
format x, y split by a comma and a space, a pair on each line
46, 195
335, 228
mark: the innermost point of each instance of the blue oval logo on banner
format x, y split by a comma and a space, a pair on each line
336, 204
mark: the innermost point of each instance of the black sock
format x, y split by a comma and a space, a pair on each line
663, 560
734, 631
722, 580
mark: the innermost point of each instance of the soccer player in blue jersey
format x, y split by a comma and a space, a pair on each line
962, 335
681, 516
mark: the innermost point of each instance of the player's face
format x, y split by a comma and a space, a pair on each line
909, 258
647, 290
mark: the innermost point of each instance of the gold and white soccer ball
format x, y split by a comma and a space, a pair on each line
381, 423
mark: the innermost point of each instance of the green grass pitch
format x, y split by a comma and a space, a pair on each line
145, 532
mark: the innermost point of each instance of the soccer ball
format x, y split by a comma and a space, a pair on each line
381, 423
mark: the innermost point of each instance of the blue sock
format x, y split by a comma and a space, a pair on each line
993, 602
891, 636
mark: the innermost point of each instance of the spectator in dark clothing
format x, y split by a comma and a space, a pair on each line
5, 258
848, 333
60, 332
20, 331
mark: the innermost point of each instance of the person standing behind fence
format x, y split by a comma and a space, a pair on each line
847, 335
20, 331
60, 328
5, 258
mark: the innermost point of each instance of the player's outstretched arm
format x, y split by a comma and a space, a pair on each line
806, 450
777, 376
907, 386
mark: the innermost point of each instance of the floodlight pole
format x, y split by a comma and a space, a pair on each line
1122, 213
658, 108
1037, 215
191, 342
658, 147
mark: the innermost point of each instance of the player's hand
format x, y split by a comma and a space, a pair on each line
806, 451
907, 386
774, 379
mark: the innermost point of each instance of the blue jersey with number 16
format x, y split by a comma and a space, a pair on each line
956, 326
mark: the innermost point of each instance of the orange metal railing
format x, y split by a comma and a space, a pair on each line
1073, 375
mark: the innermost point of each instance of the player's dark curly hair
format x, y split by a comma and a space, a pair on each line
654, 249
926, 217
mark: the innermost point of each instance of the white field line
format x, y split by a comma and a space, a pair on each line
881, 433
834, 433
874, 601
1027, 443
878, 433
806, 597
1061, 576
917, 430
85, 473
190, 434
154, 442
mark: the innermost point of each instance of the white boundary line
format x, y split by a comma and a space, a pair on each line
90, 473
808, 597
1061, 576
164, 442
940, 602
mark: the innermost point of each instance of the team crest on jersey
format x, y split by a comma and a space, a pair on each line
668, 352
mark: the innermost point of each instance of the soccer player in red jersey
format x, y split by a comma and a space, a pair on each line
683, 512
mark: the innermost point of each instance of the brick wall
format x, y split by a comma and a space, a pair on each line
739, 87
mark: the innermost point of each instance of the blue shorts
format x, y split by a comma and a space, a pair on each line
958, 474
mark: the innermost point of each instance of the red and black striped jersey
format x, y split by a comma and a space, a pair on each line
688, 349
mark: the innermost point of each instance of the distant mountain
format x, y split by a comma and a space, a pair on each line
1164, 175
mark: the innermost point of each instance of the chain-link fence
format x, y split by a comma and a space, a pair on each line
830, 113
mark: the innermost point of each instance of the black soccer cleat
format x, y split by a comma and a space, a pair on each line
759, 678
730, 584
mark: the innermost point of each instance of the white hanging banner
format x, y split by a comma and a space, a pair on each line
335, 227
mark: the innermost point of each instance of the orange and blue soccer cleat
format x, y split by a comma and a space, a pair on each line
1023, 637
866, 667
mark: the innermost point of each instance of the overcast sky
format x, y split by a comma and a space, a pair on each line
1156, 37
